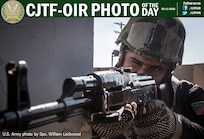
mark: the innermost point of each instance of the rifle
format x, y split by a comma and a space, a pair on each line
102, 93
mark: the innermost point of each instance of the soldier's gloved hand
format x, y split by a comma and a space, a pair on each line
114, 129
158, 122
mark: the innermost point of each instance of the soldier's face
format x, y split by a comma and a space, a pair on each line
141, 64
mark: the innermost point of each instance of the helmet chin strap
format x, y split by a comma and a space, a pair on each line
166, 83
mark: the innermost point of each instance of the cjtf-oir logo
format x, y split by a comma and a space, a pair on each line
12, 11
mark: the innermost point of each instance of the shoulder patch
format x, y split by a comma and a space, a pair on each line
198, 107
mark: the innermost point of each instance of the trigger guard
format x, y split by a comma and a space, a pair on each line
107, 117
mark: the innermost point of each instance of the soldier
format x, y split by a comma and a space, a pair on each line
155, 46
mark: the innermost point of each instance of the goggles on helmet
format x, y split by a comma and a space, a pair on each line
155, 41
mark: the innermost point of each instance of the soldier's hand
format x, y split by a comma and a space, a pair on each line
114, 129
157, 122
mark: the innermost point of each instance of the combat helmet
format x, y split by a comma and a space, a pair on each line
160, 39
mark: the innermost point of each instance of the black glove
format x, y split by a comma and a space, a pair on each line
114, 129
158, 123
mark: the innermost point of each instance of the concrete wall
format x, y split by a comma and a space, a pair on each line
185, 72
193, 73
199, 74
55, 49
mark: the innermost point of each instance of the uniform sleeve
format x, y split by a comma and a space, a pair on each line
190, 104
191, 130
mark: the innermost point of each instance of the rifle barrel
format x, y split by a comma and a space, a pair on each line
20, 119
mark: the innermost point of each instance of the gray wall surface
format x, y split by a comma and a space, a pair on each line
184, 72
54, 49
193, 73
